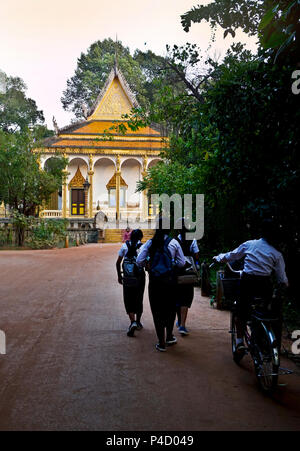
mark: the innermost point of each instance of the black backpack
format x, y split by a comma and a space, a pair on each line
161, 264
131, 271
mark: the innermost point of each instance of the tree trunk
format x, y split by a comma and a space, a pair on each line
20, 235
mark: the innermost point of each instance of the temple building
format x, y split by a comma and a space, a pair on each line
103, 171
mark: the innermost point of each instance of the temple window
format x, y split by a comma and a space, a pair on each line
112, 190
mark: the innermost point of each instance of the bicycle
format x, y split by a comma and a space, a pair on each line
259, 335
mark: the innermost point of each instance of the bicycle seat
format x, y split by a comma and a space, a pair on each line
264, 316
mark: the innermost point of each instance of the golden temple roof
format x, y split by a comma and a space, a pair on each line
97, 131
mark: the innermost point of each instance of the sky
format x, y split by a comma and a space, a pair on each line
40, 40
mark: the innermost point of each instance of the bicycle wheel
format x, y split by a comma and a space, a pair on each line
266, 358
237, 356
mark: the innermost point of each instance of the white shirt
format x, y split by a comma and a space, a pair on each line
124, 249
174, 248
194, 246
260, 259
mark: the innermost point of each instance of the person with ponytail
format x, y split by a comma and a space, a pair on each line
133, 295
160, 255
185, 293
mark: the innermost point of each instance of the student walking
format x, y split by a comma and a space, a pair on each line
133, 280
185, 293
159, 255
126, 235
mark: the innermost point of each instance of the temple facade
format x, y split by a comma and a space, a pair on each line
104, 164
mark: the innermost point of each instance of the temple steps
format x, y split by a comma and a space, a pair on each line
116, 235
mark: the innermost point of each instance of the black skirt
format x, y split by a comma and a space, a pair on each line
133, 297
184, 295
162, 301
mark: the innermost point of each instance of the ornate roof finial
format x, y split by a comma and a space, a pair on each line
116, 55
55, 126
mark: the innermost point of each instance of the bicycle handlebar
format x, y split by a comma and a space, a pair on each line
228, 265
233, 270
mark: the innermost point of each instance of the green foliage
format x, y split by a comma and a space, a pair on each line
276, 22
17, 112
145, 72
6, 236
92, 71
228, 14
152, 67
279, 31
23, 185
20, 223
47, 233
238, 146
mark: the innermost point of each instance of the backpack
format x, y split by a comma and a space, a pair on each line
190, 275
131, 271
161, 264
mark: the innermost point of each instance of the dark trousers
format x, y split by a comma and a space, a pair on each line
261, 287
253, 287
163, 308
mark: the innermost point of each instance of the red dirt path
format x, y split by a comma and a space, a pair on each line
70, 366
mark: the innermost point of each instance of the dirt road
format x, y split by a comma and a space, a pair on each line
70, 365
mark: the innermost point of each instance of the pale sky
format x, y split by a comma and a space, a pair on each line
40, 40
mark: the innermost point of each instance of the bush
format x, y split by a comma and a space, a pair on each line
47, 233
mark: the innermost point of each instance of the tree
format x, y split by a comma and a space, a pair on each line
144, 71
279, 31
17, 112
229, 15
92, 71
157, 73
23, 185
276, 23
237, 144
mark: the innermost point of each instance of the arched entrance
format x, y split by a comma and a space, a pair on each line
131, 174
55, 201
104, 170
77, 174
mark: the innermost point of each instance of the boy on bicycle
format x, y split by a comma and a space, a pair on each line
260, 260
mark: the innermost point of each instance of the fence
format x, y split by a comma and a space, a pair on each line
78, 233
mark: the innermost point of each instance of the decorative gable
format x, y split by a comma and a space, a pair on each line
113, 182
115, 99
78, 180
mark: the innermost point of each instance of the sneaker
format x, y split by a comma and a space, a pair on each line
139, 325
131, 329
177, 324
171, 341
160, 347
183, 331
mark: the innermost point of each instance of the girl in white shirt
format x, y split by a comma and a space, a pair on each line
185, 293
161, 294
133, 296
